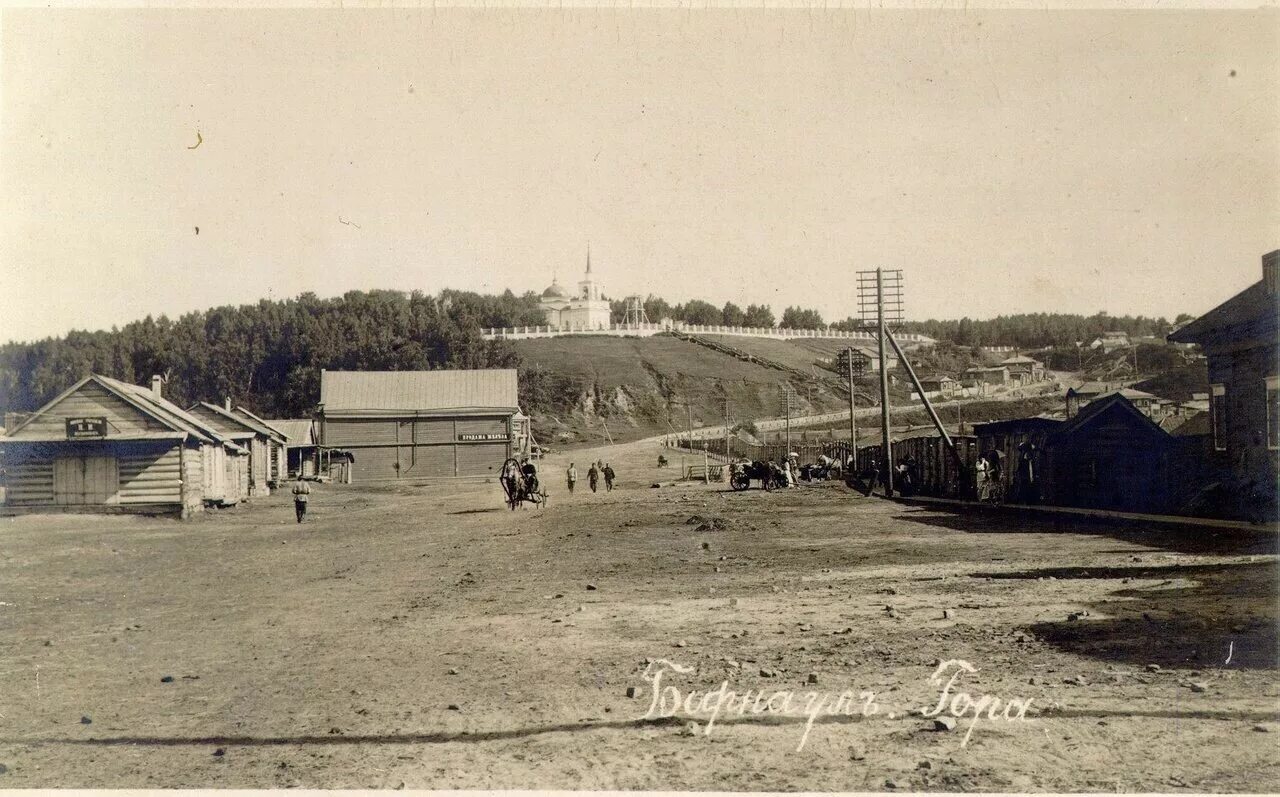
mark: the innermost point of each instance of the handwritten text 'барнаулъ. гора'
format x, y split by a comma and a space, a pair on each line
710, 706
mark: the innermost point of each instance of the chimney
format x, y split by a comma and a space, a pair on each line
156, 382
1269, 262
227, 403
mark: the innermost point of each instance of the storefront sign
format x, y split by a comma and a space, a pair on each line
476, 436
86, 428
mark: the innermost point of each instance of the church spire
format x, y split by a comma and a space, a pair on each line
588, 259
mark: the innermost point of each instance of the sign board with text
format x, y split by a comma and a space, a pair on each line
86, 428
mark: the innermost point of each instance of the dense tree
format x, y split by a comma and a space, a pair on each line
697, 311
801, 318
732, 314
758, 315
656, 309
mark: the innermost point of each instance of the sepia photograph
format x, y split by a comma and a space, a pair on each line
646, 397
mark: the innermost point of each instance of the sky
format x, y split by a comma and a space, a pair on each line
165, 161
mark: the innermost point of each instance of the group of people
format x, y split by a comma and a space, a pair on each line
599, 469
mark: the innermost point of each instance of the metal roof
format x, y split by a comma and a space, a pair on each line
163, 409
297, 431
241, 417
419, 391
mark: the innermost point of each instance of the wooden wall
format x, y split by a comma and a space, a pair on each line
408, 447
146, 474
91, 400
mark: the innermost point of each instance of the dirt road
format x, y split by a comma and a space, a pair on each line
426, 636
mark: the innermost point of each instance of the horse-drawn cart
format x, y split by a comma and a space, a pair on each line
521, 484
770, 476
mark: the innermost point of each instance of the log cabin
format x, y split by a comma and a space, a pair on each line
108, 446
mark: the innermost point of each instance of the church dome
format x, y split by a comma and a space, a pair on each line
555, 291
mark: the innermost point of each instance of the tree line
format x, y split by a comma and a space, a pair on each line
268, 356
1022, 330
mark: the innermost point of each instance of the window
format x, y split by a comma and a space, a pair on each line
1218, 416
1273, 412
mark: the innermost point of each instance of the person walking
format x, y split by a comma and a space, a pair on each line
301, 491
571, 477
608, 477
593, 477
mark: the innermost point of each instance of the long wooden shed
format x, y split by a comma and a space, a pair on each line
420, 424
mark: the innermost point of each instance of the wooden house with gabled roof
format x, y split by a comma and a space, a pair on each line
108, 446
266, 444
1109, 456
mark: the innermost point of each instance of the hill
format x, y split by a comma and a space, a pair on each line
587, 388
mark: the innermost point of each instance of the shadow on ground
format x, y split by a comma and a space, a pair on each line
1188, 539
1220, 615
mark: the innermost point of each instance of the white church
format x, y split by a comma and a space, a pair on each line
583, 310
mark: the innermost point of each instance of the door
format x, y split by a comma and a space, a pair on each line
81, 481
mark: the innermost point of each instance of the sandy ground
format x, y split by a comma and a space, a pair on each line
427, 637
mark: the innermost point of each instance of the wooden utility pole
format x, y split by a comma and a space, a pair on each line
786, 399
727, 423
853, 420
886, 446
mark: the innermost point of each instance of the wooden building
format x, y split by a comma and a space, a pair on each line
302, 451
1081, 395
940, 384
1241, 339
995, 376
1020, 443
938, 472
866, 360
1109, 456
266, 445
108, 446
1024, 370
420, 424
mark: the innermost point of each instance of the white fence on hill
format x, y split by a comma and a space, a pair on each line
648, 330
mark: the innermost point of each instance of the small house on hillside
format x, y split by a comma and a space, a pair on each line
1110, 341
979, 376
1080, 396
941, 384
1109, 456
1089, 392
266, 445
866, 360
421, 424
105, 445
1023, 369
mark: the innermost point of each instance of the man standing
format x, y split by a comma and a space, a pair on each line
608, 477
571, 477
300, 492
593, 477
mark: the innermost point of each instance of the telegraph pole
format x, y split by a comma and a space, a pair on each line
727, 423
853, 420
786, 398
688, 414
886, 447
